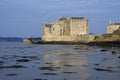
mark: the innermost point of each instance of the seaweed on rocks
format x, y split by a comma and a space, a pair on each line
13, 66
23, 60
114, 52
50, 68
70, 72
49, 74
39, 79
11, 74
107, 70
103, 50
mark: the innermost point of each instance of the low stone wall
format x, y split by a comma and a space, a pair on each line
79, 38
58, 38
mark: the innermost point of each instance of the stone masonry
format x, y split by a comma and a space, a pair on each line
112, 27
65, 29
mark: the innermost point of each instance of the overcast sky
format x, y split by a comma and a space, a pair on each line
24, 18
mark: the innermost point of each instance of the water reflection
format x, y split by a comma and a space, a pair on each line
20, 61
64, 65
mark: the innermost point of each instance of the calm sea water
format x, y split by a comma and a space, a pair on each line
19, 61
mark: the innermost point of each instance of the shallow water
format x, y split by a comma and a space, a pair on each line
19, 61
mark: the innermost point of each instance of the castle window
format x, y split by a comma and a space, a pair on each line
53, 29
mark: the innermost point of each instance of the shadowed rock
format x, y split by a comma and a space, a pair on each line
13, 66
69, 65
30, 57
70, 72
22, 60
49, 74
1, 62
107, 70
11, 74
50, 68
103, 50
114, 52
39, 79
81, 47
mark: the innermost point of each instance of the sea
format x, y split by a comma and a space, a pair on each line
20, 61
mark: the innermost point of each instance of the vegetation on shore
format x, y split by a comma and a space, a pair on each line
115, 36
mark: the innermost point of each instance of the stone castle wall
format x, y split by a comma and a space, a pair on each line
112, 27
66, 29
80, 38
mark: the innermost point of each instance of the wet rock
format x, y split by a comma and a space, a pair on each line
114, 52
23, 60
103, 50
39, 79
11, 74
70, 72
1, 62
50, 68
49, 74
114, 67
99, 69
84, 65
69, 65
30, 57
13, 66
65, 54
81, 47
97, 64
48, 63
109, 67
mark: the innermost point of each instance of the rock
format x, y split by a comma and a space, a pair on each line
70, 72
22, 60
81, 47
103, 50
1, 62
11, 74
69, 65
50, 68
99, 69
49, 74
114, 52
118, 56
39, 79
96, 64
13, 66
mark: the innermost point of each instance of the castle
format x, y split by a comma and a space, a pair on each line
65, 29
73, 29
112, 27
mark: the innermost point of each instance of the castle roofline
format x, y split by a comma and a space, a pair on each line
49, 25
62, 18
77, 18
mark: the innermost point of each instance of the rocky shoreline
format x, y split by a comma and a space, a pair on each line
105, 43
94, 43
